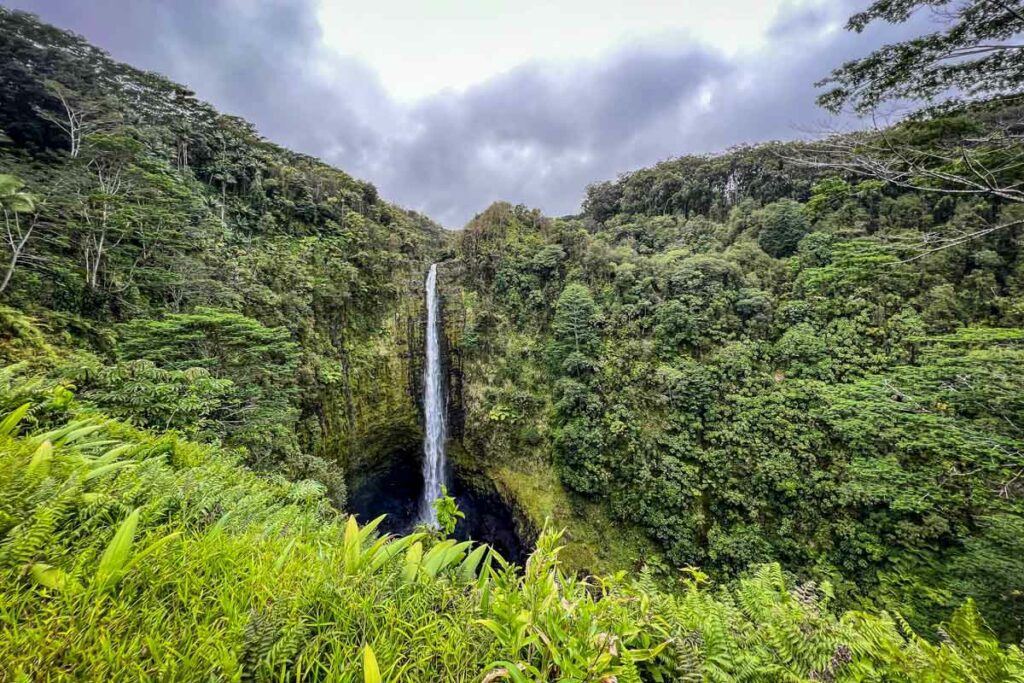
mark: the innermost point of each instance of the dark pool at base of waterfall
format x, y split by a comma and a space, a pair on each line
394, 488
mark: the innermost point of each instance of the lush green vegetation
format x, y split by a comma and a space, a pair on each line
763, 410
209, 280
769, 373
138, 555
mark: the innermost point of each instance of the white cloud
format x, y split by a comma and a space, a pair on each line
420, 47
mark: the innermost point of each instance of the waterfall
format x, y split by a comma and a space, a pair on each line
434, 405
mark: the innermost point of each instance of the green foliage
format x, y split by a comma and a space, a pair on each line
846, 412
448, 512
575, 323
785, 224
163, 231
371, 672
852, 412
14, 200
13, 197
183, 399
181, 563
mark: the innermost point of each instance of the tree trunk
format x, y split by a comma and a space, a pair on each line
10, 272
16, 248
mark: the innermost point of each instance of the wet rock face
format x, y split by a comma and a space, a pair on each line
488, 519
394, 485
453, 316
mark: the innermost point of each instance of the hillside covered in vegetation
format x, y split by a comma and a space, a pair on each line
769, 379
137, 555
758, 414
207, 280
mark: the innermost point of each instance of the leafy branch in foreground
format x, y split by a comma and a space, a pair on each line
977, 53
949, 148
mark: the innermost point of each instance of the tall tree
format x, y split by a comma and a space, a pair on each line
77, 116
575, 323
105, 212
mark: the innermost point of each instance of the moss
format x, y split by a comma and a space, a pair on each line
594, 543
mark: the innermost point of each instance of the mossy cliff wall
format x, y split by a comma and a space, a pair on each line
376, 408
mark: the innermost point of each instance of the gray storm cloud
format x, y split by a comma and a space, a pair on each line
535, 135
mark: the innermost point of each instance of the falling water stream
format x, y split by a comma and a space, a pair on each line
434, 408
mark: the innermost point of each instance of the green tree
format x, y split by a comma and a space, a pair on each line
77, 116
575, 325
105, 211
259, 361
784, 224
157, 398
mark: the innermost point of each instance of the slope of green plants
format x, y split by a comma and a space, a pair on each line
755, 361
135, 555
154, 219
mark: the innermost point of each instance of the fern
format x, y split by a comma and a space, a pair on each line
247, 578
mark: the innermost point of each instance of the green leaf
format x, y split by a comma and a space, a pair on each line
371, 672
391, 549
58, 434
369, 528
116, 555
10, 423
412, 562
77, 434
351, 545
41, 459
467, 570
97, 472
53, 578
218, 527
115, 453
431, 563
283, 557
150, 550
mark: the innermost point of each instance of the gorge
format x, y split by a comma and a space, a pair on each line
405, 481
748, 416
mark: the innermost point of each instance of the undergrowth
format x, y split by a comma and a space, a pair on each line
137, 555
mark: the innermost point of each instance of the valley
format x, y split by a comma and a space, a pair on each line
751, 416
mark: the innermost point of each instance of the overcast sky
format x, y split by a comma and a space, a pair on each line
448, 105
